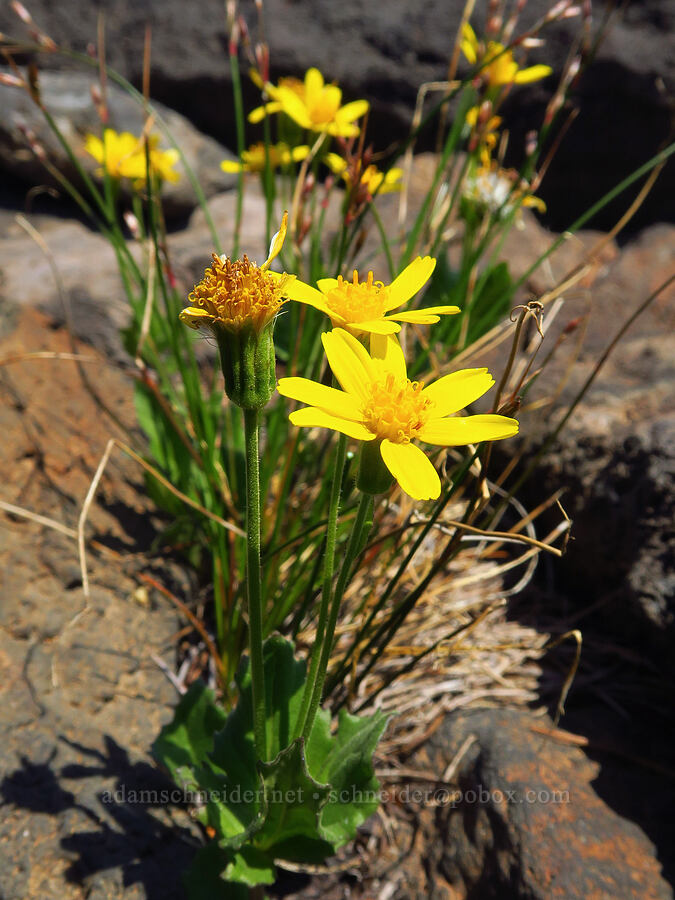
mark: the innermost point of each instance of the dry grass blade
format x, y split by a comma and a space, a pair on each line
567, 684
192, 618
45, 354
162, 480
41, 520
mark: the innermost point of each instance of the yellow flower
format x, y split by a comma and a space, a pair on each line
253, 159
378, 402
485, 130
497, 64
238, 294
371, 179
489, 188
314, 105
123, 156
362, 306
163, 161
118, 154
274, 106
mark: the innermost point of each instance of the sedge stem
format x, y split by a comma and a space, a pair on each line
354, 546
328, 569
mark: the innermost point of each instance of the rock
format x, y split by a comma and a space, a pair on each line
615, 455
81, 699
89, 293
385, 55
526, 821
67, 97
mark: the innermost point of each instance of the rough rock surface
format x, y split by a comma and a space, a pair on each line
385, 52
82, 699
526, 821
67, 97
614, 456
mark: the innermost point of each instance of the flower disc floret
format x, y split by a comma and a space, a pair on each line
238, 301
396, 410
357, 300
237, 293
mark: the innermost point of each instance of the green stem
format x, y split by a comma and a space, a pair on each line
254, 580
328, 568
353, 548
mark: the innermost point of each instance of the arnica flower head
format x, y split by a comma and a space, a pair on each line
369, 307
238, 302
488, 188
498, 67
314, 105
255, 158
122, 155
379, 404
237, 294
372, 180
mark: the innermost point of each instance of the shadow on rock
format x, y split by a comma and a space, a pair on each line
118, 827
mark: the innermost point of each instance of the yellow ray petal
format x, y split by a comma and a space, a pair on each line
469, 43
299, 153
305, 293
339, 129
457, 390
468, 430
409, 282
425, 316
277, 242
534, 73
328, 399
412, 469
349, 361
309, 417
330, 100
313, 84
415, 318
387, 350
440, 310
231, 165
194, 316
292, 105
377, 326
258, 114
326, 284
351, 111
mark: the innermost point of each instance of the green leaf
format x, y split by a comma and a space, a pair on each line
233, 772
348, 767
251, 866
293, 801
203, 879
183, 744
235, 812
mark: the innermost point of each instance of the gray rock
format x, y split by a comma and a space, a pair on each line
67, 97
384, 53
